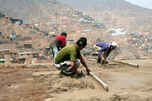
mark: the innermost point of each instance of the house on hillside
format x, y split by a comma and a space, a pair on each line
2, 15
1, 34
117, 31
12, 36
99, 25
16, 21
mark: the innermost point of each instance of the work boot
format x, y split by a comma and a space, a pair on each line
78, 75
105, 62
67, 71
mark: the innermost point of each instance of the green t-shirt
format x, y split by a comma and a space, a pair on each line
67, 53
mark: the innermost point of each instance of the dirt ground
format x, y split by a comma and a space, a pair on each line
41, 82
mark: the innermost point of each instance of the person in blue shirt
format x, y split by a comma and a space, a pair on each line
105, 49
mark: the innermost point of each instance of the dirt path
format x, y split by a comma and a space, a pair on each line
43, 83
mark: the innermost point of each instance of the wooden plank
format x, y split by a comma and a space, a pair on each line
105, 86
7, 59
28, 60
4, 51
125, 63
45, 73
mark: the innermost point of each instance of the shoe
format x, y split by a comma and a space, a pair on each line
58, 66
78, 75
105, 62
66, 73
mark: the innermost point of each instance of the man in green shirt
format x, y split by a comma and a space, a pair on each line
69, 58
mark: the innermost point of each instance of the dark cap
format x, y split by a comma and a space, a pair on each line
64, 34
82, 42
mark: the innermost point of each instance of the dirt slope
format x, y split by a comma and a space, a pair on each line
43, 83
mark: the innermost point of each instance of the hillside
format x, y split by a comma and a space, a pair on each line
24, 34
54, 17
115, 13
111, 12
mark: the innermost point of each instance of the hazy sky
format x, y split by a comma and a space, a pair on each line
143, 3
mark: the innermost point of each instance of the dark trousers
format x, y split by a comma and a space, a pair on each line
66, 67
105, 55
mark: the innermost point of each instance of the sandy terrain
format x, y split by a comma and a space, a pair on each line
43, 83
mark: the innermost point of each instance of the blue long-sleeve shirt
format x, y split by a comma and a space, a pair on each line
103, 46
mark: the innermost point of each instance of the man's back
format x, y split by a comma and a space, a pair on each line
103, 44
67, 53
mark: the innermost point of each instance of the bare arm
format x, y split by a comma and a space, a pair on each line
84, 64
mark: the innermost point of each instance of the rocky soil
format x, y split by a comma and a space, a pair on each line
42, 82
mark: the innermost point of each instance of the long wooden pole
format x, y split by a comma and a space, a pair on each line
105, 86
129, 64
